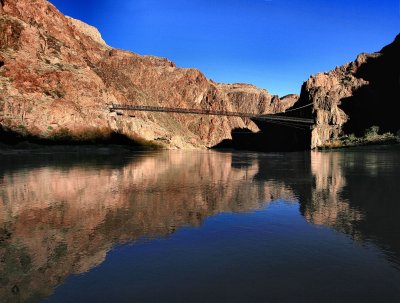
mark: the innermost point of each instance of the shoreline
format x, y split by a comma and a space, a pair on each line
11, 139
384, 139
24, 147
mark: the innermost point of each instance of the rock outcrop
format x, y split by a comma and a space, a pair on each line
57, 76
87, 29
355, 96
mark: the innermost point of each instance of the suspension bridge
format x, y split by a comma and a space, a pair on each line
279, 118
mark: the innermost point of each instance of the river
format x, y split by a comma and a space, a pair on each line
200, 226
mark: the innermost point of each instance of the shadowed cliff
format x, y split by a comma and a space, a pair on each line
355, 96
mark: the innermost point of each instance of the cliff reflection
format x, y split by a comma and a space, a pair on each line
57, 221
327, 204
357, 192
59, 218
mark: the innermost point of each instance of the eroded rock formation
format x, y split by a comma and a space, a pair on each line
355, 96
58, 75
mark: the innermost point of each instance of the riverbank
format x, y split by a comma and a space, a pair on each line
371, 137
29, 148
11, 139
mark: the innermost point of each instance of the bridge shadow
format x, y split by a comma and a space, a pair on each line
272, 138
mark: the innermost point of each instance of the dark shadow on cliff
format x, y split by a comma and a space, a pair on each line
366, 108
376, 103
21, 139
21, 152
273, 138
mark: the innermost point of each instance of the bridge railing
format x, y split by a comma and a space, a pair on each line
271, 117
180, 110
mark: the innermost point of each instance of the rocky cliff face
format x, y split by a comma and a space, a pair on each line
355, 96
57, 76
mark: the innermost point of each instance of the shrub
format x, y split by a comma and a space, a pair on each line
93, 134
63, 134
352, 137
371, 132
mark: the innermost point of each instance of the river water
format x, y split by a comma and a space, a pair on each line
200, 226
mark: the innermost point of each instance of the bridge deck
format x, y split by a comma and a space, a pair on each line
269, 117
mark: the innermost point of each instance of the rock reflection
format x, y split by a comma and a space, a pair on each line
327, 204
57, 221
356, 192
62, 219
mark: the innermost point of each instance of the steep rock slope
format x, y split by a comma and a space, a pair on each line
355, 96
57, 76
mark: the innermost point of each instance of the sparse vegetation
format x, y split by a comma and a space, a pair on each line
57, 93
371, 137
372, 132
19, 135
146, 144
62, 134
90, 135
93, 134
59, 252
100, 135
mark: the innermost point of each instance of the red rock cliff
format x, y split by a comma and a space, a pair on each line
58, 75
355, 96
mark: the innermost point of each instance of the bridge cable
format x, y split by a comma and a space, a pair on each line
289, 125
293, 109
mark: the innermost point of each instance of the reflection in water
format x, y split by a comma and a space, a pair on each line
59, 221
327, 206
357, 192
61, 218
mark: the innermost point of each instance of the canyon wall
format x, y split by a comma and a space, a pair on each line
57, 77
353, 97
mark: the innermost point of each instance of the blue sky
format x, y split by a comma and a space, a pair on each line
273, 44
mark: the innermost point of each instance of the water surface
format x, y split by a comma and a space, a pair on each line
201, 227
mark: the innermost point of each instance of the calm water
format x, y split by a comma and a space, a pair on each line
201, 227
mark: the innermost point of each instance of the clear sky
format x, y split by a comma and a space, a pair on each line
274, 44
